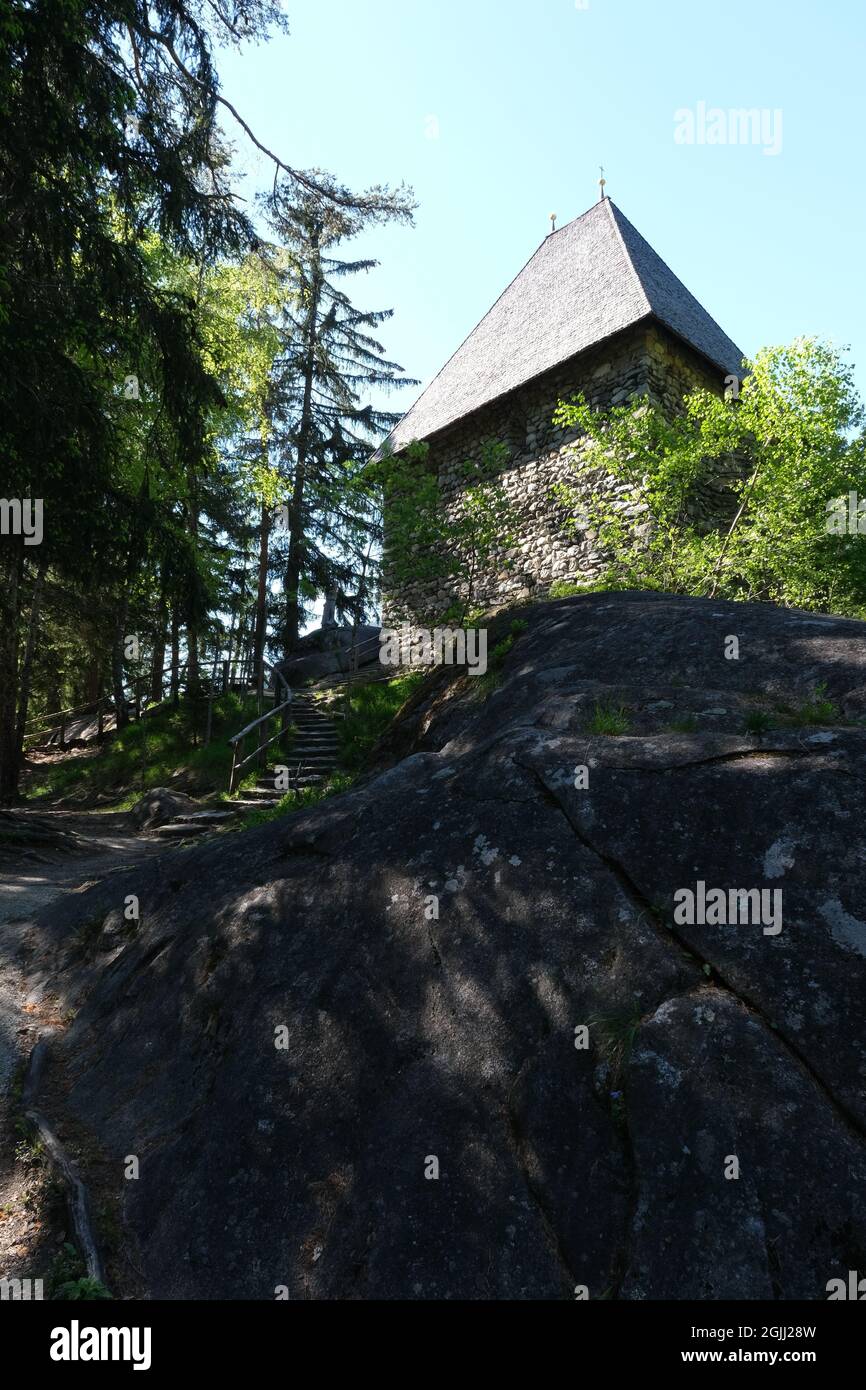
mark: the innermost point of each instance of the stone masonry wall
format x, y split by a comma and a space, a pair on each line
643, 361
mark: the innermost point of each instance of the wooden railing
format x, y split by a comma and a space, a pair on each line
57, 720
60, 718
239, 762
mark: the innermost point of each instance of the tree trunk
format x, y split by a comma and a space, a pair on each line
117, 666
262, 604
27, 664
159, 641
294, 563
93, 681
175, 655
55, 688
9, 616
193, 679
193, 676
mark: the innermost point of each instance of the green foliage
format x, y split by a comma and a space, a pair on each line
68, 1279
609, 719
424, 543
149, 753
483, 685
785, 450
324, 423
152, 334
565, 588
297, 801
84, 1288
371, 709
817, 709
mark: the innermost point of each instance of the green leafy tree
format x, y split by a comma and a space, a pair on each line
776, 458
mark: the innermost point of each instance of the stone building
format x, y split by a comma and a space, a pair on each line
597, 311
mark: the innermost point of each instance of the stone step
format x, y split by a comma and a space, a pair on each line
173, 831
314, 741
320, 774
315, 755
305, 770
311, 760
311, 736
324, 759
194, 823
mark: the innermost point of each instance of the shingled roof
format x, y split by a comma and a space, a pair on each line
591, 279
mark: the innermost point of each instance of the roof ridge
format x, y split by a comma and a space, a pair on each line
601, 278
654, 308
612, 210
472, 333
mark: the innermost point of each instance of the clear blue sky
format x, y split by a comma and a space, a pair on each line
499, 112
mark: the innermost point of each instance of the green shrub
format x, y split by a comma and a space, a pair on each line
84, 1289
818, 709
370, 710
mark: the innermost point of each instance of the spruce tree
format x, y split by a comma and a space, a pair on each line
324, 421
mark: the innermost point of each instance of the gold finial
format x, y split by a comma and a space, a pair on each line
553, 221
602, 183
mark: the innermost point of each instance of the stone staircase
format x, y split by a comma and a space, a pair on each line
313, 756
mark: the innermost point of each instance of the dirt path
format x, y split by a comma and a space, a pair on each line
64, 853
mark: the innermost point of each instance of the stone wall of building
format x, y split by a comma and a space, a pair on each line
643, 361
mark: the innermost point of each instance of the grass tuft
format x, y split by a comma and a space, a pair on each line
610, 720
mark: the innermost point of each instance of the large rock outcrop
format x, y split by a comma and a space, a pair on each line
316, 1016
159, 806
331, 651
